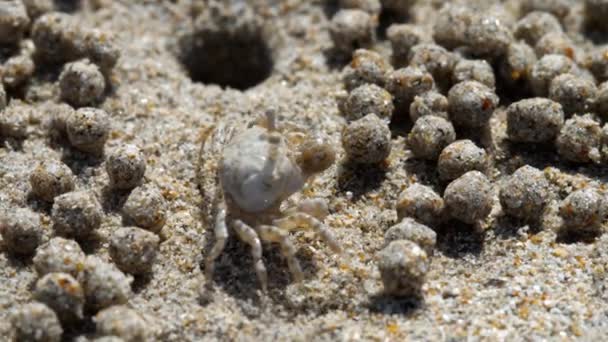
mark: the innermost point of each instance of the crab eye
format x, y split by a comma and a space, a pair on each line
316, 155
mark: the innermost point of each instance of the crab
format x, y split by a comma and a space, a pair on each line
258, 170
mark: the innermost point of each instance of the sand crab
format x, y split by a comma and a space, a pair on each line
258, 169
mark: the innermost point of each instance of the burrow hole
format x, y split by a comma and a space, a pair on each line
239, 59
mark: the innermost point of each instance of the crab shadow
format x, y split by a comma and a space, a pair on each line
235, 275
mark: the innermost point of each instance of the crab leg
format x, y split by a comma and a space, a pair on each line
221, 234
303, 221
316, 207
250, 237
274, 234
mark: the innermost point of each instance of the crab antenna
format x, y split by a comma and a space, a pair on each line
271, 120
274, 139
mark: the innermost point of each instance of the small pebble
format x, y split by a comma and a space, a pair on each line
315, 154
580, 140
62, 293
429, 103
469, 197
366, 67
559, 8
35, 322
410, 229
17, 70
404, 84
21, 230
14, 118
81, 83
146, 207
597, 62
429, 136
403, 267
126, 167
525, 193
58, 114
351, 29
534, 25
557, 43
403, 37
474, 70
76, 214
546, 69
471, 104
50, 179
436, 60
459, 158
104, 285
14, 21
367, 140
59, 255
57, 37
583, 211
133, 249
100, 47
576, 95
488, 36
534, 120
60, 38
421, 203
451, 25
369, 99
88, 129
123, 322
517, 63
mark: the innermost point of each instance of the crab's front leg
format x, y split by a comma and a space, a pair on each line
277, 235
304, 221
250, 237
221, 235
315, 207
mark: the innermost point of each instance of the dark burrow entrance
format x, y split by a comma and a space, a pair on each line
239, 57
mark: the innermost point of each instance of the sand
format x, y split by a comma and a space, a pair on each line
507, 282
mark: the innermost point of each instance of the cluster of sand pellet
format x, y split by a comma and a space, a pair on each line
468, 191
